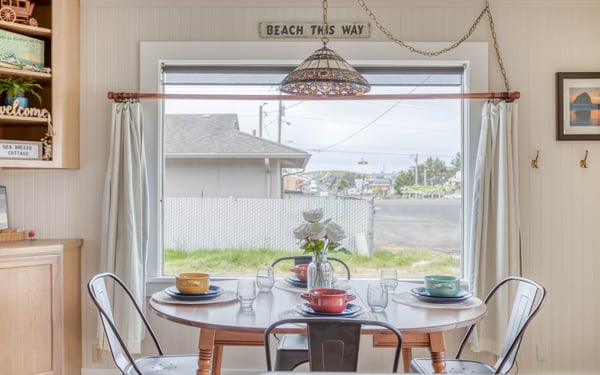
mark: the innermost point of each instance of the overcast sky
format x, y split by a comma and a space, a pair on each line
386, 134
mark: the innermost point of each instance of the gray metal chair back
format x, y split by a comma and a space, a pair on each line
529, 299
293, 348
333, 342
122, 357
305, 259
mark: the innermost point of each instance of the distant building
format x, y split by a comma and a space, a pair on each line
455, 182
381, 184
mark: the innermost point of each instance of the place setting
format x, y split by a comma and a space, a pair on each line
194, 288
297, 281
438, 291
326, 302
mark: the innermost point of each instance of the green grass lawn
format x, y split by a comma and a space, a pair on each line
227, 262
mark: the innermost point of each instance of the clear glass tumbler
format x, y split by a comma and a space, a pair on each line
389, 277
246, 293
377, 296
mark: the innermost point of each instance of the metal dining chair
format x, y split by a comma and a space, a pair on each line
292, 350
156, 365
333, 342
305, 259
529, 299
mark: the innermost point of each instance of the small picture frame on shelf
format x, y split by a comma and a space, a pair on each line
3, 209
578, 106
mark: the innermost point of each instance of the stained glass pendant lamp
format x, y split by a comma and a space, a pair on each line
324, 73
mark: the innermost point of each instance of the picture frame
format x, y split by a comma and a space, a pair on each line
578, 106
3, 208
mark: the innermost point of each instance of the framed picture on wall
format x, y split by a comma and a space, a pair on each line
578, 106
3, 208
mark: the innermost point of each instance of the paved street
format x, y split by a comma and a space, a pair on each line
417, 224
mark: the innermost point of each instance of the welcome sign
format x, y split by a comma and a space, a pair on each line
314, 30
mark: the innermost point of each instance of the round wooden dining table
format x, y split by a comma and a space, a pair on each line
223, 323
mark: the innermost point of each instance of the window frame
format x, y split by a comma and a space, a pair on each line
472, 55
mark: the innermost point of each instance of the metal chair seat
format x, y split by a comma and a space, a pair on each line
453, 366
164, 364
292, 351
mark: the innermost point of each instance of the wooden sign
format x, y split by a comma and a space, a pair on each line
314, 30
20, 150
16, 110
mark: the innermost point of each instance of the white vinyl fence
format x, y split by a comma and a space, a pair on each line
222, 223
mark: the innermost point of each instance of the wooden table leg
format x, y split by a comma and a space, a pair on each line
217, 360
406, 358
206, 345
438, 348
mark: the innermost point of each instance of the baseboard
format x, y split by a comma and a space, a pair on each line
99, 371
110, 371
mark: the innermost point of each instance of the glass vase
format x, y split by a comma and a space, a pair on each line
319, 273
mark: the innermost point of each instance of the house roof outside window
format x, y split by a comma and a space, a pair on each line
217, 136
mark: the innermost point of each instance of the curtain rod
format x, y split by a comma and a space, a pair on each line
123, 96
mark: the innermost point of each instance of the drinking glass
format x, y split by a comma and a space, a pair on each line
265, 278
389, 277
377, 296
246, 293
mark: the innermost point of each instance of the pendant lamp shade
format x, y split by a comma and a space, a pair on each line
324, 73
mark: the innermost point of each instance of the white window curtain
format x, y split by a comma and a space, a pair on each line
124, 238
495, 241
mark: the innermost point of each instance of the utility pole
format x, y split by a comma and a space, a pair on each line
260, 119
416, 169
280, 120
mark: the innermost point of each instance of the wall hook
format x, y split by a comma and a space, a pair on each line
534, 162
583, 163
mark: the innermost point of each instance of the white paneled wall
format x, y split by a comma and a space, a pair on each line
560, 201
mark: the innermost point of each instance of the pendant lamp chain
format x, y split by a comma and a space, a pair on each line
467, 35
325, 38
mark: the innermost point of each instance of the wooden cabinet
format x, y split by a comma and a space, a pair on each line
58, 27
40, 307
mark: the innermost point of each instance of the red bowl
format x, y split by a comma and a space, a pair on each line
328, 300
301, 271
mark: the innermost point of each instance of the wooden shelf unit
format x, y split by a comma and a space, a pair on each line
59, 29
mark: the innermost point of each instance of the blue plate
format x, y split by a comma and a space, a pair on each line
350, 311
295, 281
212, 292
422, 294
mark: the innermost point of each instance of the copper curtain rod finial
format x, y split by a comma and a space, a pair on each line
123, 96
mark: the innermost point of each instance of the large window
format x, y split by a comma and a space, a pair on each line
233, 176
237, 174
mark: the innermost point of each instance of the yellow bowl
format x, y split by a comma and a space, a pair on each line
192, 282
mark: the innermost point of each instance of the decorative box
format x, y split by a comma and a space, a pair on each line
11, 235
18, 51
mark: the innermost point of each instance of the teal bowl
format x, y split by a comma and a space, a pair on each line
442, 285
